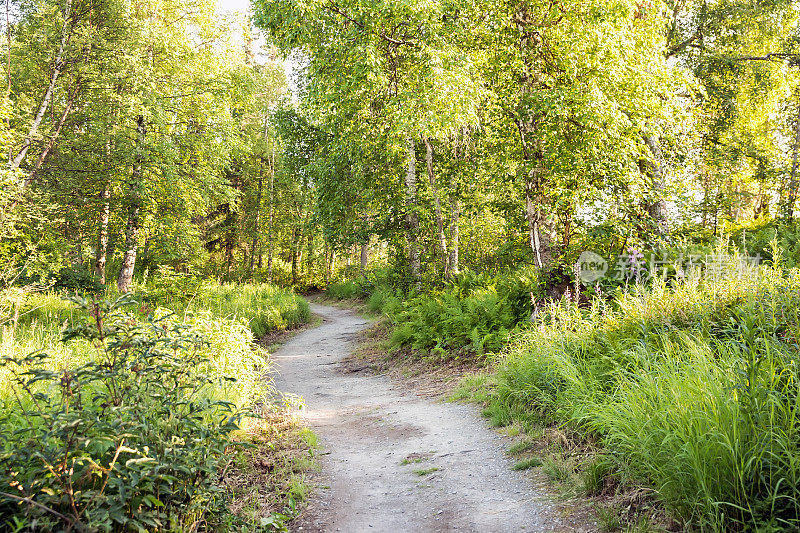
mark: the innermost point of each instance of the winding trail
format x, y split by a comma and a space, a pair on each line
394, 462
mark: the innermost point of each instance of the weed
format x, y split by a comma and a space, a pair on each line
525, 464
556, 468
594, 474
497, 415
521, 447
474, 314
609, 518
268, 482
689, 388
131, 439
426, 471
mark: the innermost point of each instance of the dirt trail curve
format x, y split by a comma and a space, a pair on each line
396, 462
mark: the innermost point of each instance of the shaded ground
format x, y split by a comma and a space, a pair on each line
395, 462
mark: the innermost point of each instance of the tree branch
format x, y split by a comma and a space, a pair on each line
45, 508
338, 11
772, 56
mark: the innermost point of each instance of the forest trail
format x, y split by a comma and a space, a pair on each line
393, 462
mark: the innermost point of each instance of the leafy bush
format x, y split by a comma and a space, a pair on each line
755, 238
383, 300
474, 313
168, 286
131, 439
378, 280
78, 278
691, 388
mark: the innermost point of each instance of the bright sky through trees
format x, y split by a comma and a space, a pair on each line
233, 6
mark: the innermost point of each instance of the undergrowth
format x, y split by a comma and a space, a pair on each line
473, 314
262, 307
690, 388
122, 416
132, 438
267, 478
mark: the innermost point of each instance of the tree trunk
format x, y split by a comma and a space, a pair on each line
658, 208
48, 95
270, 236
8, 53
364, 257
131, 242
52, 140
533, 153
437, 205
325, 257
567, 227
792, 193
309, 253
102, 234
230, 234
532, 216
257, 217
295, 246
412, 221
455, 212
132, 229
331, 262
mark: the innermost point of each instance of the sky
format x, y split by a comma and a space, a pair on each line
233, 5
241, 6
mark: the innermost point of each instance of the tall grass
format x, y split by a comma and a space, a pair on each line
692, 388
264, 308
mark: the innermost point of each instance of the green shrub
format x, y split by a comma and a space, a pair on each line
383, 300
167, 287
132, 438
381, 280
78, 278
473, 313
755, 238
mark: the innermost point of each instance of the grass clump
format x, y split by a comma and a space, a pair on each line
525, 464
691, 390
521, 447
261, 307
374, 288
345, 290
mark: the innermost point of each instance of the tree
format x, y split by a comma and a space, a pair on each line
388, 71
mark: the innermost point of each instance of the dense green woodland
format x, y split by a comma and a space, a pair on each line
439, 136
448, 162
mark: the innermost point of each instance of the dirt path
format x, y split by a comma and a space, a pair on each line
395, 462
